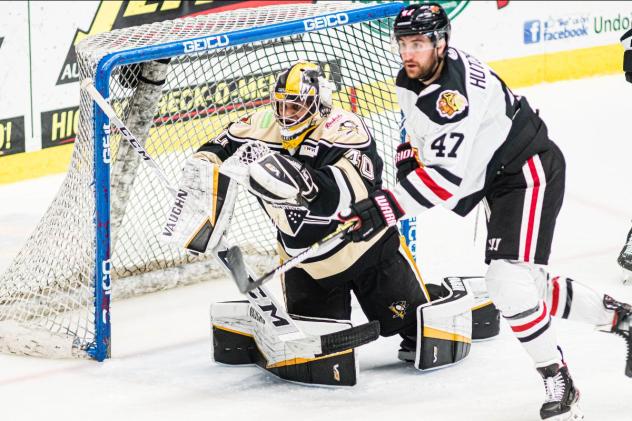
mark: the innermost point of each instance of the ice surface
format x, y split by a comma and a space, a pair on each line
161, 367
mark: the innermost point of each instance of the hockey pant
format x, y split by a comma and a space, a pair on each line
522, 210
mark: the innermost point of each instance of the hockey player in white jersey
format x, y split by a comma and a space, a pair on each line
625, 257
470, 139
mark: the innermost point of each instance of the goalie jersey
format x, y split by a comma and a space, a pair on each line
467, 127
342, 158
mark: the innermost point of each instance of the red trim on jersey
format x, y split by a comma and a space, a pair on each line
534, 204
556, 296
441, 193
526, 326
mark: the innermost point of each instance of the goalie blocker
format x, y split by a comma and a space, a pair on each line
203, 206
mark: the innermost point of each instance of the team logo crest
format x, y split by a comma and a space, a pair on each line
399, 309
348, 127
451, 103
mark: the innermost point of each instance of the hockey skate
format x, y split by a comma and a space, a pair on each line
621, 325
561, 395
625, 259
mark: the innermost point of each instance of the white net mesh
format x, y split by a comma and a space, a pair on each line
47, 303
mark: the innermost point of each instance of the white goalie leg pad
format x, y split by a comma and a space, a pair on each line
242, 336
202, 208
485, 315
444, 327
242, 317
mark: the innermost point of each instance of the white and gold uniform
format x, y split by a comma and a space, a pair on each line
340, 154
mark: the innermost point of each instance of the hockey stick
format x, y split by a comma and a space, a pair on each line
231, 260
245, 283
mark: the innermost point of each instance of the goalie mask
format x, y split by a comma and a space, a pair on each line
300, 96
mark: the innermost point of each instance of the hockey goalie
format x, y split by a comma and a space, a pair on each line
306, 161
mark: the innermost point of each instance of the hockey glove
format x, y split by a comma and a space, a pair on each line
626, 40
372, 214
406, 160
278, 178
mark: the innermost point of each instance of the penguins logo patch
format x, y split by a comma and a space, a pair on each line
399, 309
348, 127
451, 103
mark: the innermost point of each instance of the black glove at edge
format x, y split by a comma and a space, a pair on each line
406, 160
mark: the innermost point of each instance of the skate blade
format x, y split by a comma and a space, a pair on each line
575, 414
627, 276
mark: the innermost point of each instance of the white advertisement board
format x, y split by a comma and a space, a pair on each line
39, 92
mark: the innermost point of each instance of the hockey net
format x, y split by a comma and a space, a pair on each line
54, 297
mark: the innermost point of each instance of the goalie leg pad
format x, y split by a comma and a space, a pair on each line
444, 328
485, 315
233, 347
239, 337
232, 332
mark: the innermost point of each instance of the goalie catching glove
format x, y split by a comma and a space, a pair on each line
278, 178
203, 206
378, 211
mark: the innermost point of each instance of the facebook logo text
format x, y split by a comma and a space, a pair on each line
554, 29
532, 31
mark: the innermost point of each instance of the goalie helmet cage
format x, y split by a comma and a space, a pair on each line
176, 84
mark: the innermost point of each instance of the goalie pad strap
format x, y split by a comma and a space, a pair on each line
485, 315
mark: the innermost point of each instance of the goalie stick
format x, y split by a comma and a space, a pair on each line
246, 283
231, 260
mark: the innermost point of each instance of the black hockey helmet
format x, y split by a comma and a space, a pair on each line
425, 19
